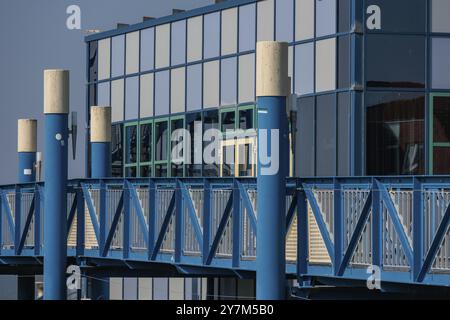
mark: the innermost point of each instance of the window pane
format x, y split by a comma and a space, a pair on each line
344, 15
344, 62
304, 68
132, 52
229, 31
103, 94
441, 159
162, 93
291, 67
146, 95
161, 172
326, 65
117, 100
211, 84
162, 46
440, 63
247, 25
131, 172
441, 119
395, 61
146, 171
147, 49
194, 126
228, 82
178, 90
344, 125
176, 169
266, 17
195, 39
326, 135
395, 132
194, 87
228, 121
247, 78
93, 101
325, 17
131, 145
146, 142
246, 119
179, 42
305, 138
116, 150
132, 98
104, 59
211, 37
93, 61
304, 17
161, 139
210, 121
118, 56
285, 20
439, 11
401, 15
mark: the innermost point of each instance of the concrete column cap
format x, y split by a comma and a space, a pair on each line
26, 135
56, 91
272, 69
100, 124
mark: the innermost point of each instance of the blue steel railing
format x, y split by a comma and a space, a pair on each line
337, 227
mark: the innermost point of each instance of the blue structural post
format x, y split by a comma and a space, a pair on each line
26, 148
101, 168
56, 109
272, 89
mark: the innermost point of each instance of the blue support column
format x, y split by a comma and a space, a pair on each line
26, 148
56, 109
272, 90
101, 168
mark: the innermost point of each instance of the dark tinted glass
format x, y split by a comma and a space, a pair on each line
177, 169
344, 62
395, 61
344, 125
246, 119
161, 139
210, 121
117, 150
304, 166
194, 121
146, 171
131, 172
441, 119
401, 15
93, 61
441, 159
131, 143
326, 135
228, 121
344, 8
395, 133
161, 171
146, 144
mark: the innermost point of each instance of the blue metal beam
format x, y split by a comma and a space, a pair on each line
26, 227
91, 209
139, 212
397, 223
248, 205
113, 227
434, 248
192, 214
319, 220
356, 235
291, 212
206, 220
164, 227
220, 230
72, 212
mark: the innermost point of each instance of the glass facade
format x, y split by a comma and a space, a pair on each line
352, 83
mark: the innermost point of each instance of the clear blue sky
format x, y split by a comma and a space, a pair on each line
34, 37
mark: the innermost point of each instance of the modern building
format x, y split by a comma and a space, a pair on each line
370, 85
